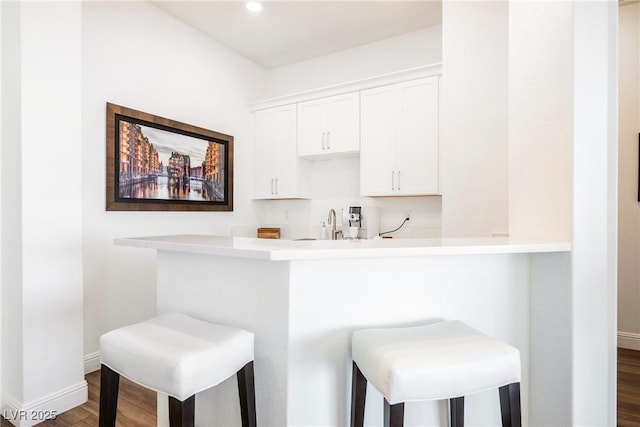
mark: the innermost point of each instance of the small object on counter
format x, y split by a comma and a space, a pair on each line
387, 237
268, 233
323, 232
355, 218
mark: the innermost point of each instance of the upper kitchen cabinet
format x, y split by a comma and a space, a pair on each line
329, 127
399, 139
279, 174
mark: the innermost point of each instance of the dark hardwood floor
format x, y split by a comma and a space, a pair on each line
137, 405
628, 388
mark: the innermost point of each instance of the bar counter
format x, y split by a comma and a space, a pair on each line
303, 299
287, 250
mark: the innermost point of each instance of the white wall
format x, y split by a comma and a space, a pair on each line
11, 218
628, 205
410, 50
474, 118
335, 183
42, 259
540, 119
136, 55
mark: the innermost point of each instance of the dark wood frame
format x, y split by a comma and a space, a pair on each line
115, 113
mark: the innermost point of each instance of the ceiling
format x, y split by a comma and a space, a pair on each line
285, 32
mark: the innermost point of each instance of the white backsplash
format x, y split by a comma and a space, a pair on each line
336, 184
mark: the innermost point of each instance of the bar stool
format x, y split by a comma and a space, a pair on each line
180, 356
445, 360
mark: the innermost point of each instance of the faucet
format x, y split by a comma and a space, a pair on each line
332, 222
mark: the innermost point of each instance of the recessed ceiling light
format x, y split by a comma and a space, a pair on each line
254, 6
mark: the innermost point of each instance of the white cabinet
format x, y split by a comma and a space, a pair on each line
399, 139
329, 127
279, 174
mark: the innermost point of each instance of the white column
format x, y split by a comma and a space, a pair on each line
594, 212
540, 188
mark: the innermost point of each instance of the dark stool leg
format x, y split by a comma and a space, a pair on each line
109, 381
182, 414
247, 392
510, 405
393, 414
456, 408
358, 396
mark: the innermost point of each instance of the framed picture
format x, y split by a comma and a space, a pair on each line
158, 164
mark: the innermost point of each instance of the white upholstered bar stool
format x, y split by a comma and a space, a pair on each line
180, 356
445, 360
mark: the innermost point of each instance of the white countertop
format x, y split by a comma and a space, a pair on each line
282, 250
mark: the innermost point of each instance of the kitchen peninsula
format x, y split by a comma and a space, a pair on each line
303, 300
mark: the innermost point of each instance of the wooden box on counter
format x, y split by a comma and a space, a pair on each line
268, 233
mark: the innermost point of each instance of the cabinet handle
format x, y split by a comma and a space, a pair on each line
272, 186
276, 186
398, 180
323, 135
393, 180
328, 140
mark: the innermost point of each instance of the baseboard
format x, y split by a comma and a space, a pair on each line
629, 340
48, 407
91, 362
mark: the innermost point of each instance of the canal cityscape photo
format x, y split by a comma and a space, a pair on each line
155, 164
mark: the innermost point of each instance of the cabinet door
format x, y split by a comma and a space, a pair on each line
378, 127
311, 128
343, 123
285, 154
277, 170
417, 155
264, 125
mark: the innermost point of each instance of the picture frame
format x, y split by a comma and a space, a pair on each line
159, 164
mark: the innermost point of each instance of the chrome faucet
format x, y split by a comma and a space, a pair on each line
332, 222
